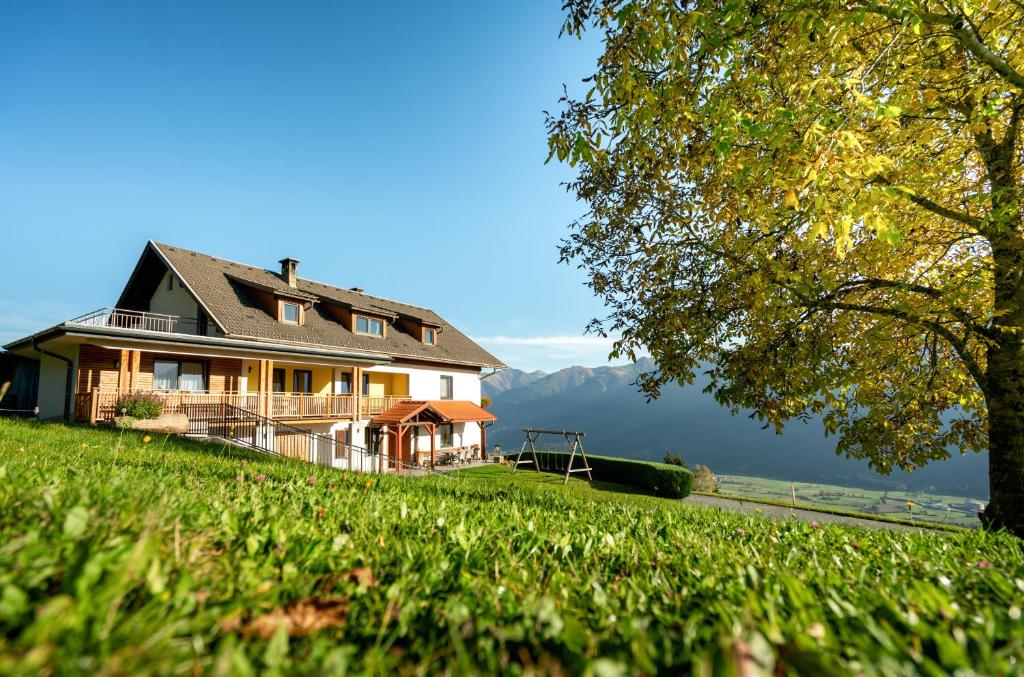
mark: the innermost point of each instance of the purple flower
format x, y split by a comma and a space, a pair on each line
311, 479
982, 564
261, 478
815, 526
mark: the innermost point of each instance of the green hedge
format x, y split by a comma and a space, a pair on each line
657, 479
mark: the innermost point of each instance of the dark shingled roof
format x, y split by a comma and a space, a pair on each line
223, 288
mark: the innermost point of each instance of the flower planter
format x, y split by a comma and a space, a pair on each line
165, 423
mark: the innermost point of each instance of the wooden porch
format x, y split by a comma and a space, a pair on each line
98, 405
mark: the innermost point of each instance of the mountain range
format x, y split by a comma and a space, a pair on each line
606, 404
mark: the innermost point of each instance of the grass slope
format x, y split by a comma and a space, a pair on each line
118, 556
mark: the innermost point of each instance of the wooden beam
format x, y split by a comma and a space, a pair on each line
483, 440
122, 375
433, 443
136, 367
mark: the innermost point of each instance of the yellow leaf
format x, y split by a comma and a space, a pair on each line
790, 200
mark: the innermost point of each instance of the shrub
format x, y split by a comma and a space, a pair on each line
139, 406
704, 481
657, 479
672, 458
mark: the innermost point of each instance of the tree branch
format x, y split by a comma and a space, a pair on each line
934, 207
972, 41
962, 29
958, 344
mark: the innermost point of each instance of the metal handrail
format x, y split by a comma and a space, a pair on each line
137, 319
332, 442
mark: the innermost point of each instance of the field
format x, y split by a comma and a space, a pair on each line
122, 556
925, 506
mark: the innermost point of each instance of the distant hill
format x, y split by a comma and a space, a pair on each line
605, 403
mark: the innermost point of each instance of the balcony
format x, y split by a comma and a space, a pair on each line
100, 405
120, 318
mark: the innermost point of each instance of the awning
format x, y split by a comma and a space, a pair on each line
446, 411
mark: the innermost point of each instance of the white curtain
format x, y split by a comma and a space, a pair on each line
165, 376
192, 377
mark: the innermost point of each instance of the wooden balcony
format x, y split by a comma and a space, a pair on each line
371, 406
100, 405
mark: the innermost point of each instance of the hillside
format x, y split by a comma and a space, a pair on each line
618, 421
124, 557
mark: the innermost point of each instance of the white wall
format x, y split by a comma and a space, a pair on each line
425, 383
53, 382
178, 301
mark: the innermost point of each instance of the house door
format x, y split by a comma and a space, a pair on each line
324, 450
341, 450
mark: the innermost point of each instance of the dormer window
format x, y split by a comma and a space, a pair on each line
291, 313
370, 326
429, 336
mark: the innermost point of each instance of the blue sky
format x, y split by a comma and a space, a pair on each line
395, 146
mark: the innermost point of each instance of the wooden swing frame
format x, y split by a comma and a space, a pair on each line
575, 439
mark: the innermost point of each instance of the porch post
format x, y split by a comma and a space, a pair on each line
122, 374
483, 441
94, 406
357, 388
433, 443
136, 358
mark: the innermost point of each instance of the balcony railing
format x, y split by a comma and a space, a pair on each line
120, 318
101, 405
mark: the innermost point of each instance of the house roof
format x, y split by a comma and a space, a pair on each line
449, 411
462, 411
225, 290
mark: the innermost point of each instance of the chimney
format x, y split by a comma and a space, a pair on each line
289, 270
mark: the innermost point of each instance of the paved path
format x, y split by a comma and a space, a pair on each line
778, 512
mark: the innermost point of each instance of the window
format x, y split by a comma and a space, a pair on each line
367, 325
447, 435
428, 336
366, 384
169, 375
165, 376
447, 387
345, 385
170, 280
277, 381
290, 313
302, 381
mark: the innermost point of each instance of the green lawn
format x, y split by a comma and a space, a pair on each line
119, 556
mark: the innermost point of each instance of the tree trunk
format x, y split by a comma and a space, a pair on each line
1005, 397
1005, 445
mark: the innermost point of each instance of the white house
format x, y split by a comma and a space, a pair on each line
273, 360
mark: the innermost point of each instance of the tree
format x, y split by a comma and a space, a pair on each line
821, 200
672, 458
704, 481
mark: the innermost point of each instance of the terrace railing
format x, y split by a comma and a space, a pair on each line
120, 318
101, 405
267, 435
